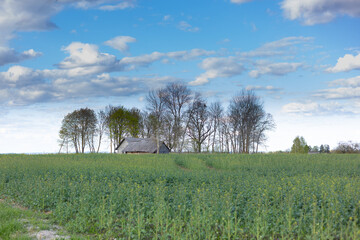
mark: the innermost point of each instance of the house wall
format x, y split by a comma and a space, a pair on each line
163, 149
122, 147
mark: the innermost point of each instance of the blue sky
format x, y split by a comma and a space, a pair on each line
301, 57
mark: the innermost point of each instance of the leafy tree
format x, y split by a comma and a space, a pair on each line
315, 149
299, 145
326, 148
134, 122
122, 123
79, 128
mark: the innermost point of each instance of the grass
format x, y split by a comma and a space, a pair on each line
190, 196
11, 226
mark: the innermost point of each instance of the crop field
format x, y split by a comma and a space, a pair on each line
185, 196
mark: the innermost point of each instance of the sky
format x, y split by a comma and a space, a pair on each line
301, 57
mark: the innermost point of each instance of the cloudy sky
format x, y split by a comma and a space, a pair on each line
301, 57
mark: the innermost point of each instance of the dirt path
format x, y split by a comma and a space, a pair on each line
36, 224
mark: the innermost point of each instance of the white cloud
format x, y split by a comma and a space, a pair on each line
24, 86
35, 15
167, 18
131, 63
85, 55
84, 73
8, 55
346, 63
313, 108
186, 27
346, 82
18, 76
240, 1
279, 47
188, 55
311, 12
339, 93
218, 67
349, 89
304, 108
101, 4
122, 5
234, 65
264, 88
120, 43
278, 69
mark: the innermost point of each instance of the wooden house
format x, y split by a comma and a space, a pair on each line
140, 145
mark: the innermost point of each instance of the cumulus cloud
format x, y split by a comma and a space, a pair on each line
18, 76
120, 43
347, 63
346, 82
84, 59
312, 12
346, 89
277, 69
23, 86
85, 72
8, 55
34, 15
218, 67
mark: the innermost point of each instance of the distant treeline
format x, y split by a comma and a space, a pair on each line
300, 146
184, 120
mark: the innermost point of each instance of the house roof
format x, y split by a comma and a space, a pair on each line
140, 145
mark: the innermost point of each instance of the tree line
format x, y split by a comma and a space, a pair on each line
183, 119
300, 146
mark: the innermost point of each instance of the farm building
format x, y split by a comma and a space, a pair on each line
141, 145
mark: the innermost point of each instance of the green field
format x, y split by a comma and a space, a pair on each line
219, 196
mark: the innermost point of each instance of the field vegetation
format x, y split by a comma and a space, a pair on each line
189, 196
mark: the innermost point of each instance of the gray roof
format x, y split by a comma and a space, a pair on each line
147, 145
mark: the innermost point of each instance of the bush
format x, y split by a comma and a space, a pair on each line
347, 147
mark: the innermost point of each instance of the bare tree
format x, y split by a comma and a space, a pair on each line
267, 123
155, 104
216, 113
247, 120
199, 128
176, 98
101, 127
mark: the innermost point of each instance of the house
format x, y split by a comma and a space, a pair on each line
141, 145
